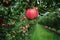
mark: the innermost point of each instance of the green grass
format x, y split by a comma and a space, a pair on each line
40, 33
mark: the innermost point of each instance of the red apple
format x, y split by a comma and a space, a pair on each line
3, 25
32, 13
